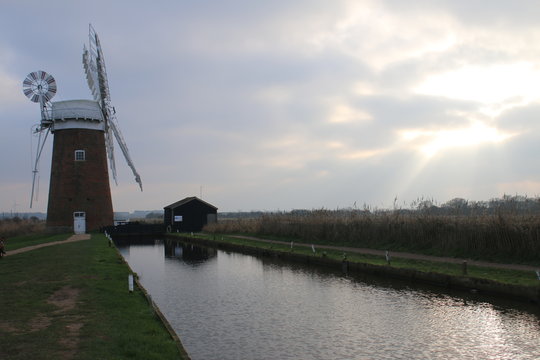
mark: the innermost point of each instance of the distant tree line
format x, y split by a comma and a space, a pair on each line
508, 204
154, 215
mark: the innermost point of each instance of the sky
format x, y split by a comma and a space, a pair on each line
280, 105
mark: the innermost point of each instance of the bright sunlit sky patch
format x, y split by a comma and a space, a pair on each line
281, 105
486, 84
444, 139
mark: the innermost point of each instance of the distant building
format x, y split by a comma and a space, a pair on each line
189, 214
121, 218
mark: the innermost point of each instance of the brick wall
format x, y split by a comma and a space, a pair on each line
79, 185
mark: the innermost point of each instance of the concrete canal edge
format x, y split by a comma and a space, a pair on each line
484, 286
155, 308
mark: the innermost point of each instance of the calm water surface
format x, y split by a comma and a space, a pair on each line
232, 306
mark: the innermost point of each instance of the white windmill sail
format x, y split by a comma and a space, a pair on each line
90, 67
96, 76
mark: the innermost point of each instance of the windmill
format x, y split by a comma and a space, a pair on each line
40, 87
84, 133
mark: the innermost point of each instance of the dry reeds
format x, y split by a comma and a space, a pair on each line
488, 236
16, 226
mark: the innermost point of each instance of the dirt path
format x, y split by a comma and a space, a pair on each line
403, 255
72, 238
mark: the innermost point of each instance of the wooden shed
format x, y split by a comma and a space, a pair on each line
189, 214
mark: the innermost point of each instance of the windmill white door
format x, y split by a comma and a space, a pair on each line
79, 222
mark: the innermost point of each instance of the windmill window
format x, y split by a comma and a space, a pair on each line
80, 155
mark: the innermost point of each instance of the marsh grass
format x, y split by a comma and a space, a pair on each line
495, 237
16, 226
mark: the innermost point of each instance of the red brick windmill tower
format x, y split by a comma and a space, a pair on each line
79, 191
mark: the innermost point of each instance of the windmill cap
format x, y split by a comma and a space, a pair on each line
77, 114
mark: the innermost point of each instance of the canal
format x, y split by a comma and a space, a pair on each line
231, 306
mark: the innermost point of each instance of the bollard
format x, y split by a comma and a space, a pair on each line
464, 267
130, 283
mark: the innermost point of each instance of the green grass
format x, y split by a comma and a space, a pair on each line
17, 242
72, 301
513, 277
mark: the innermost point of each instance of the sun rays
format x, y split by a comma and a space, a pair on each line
432, 142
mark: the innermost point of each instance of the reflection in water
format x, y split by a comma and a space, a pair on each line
233, 306
189, 253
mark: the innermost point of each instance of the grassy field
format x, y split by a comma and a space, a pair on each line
513, 277
71, 301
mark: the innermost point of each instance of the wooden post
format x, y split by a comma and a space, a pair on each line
130, 282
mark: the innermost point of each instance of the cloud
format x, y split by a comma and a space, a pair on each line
303, 104
379, 37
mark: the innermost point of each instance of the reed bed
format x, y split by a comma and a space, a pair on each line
17, 226
502, 237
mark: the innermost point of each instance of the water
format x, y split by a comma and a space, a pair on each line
232, 306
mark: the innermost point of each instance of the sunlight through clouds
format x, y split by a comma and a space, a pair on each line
362, 154
379, 37
361, 98
431, 142
485, 84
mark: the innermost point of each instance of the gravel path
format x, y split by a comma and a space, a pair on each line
403, 255
72, 238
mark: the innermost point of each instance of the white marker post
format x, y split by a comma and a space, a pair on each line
130, 282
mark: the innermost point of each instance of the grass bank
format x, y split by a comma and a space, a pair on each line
514, 283
71, 301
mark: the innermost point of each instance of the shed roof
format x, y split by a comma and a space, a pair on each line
186, 200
